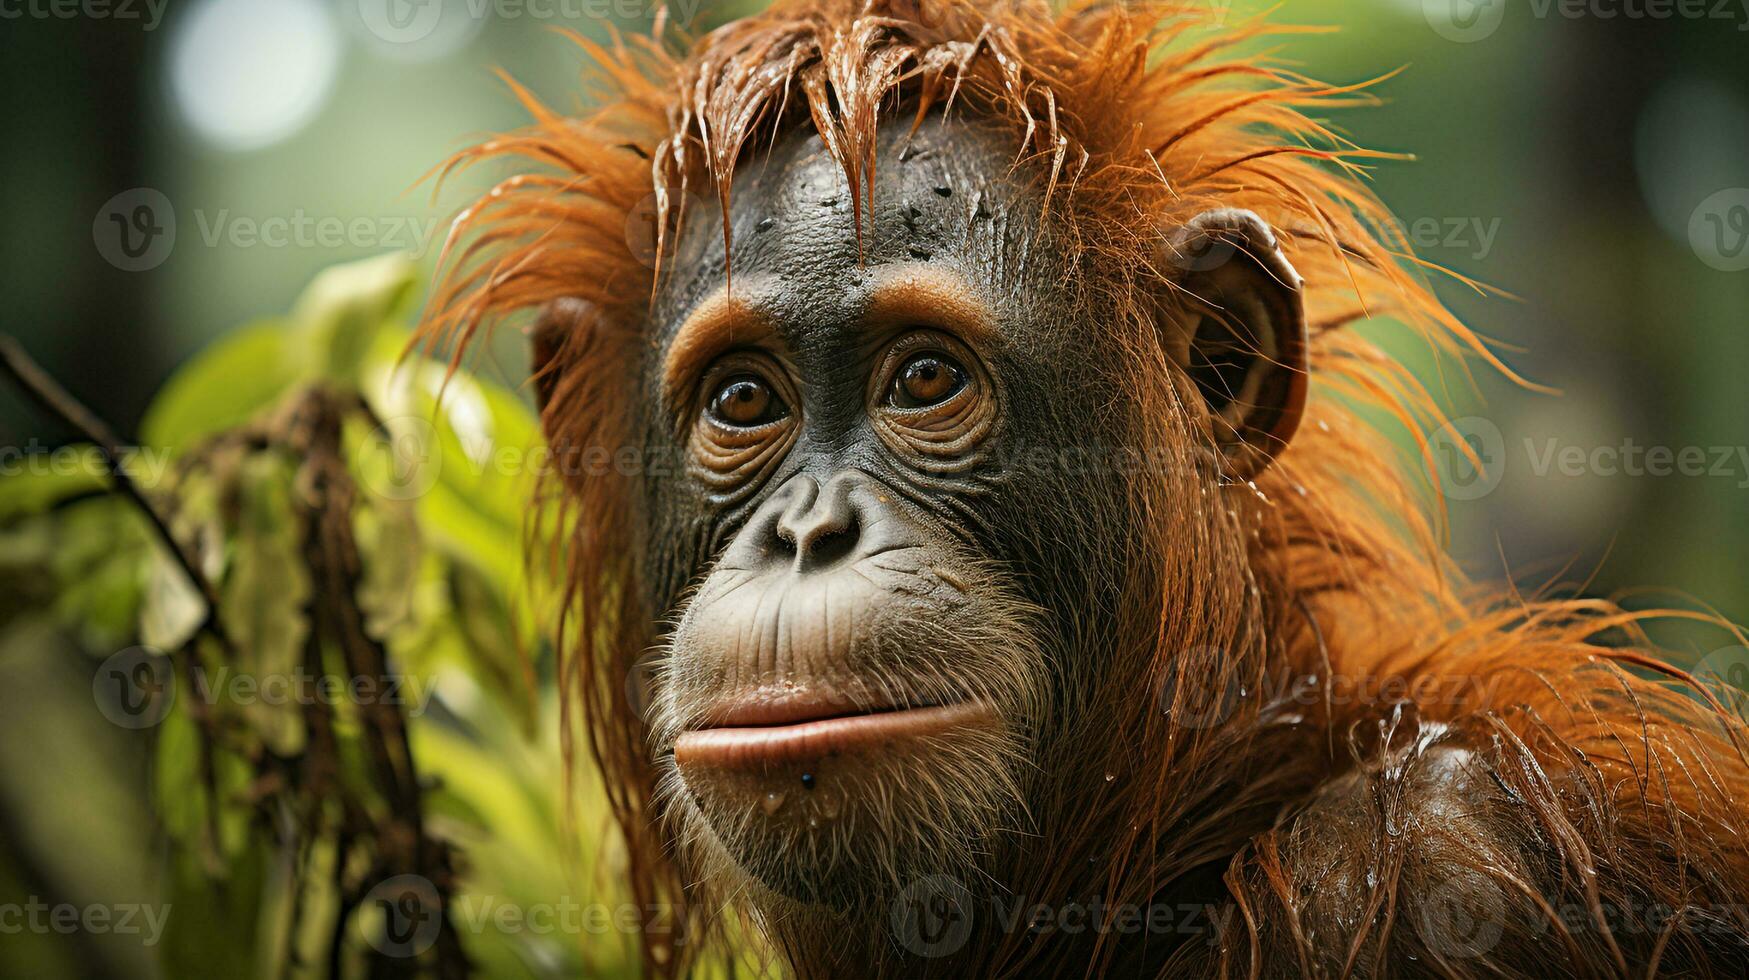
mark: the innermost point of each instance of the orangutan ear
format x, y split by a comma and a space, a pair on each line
1237, 327
558, 322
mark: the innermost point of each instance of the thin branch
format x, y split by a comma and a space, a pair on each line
55, 400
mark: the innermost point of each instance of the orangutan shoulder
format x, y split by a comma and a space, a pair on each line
1417, 853
1415, 821
1458, 852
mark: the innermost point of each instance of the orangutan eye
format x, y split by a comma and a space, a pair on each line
745, 401
925, 380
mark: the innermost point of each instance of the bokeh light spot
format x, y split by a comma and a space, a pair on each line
248, 73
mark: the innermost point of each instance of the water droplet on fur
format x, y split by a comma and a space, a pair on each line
813, 823
1323, 426
1110, 776
772, 803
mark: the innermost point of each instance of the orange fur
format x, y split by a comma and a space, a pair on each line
1143, 115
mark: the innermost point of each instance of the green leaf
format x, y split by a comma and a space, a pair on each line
32, 489
224, 386
264, 594
90, 556
172, 608
342, 310
481, 448
214, 921
336, 321
179, 795
178, 799
390, 551
496, 658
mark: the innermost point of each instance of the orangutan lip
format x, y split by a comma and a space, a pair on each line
781, 744
789, 706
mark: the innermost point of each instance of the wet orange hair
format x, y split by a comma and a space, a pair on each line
1141, 115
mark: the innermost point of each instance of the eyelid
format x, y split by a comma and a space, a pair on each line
755, 362
941, 437
964, 375
915, 342
729, 459
752, 364
716, 328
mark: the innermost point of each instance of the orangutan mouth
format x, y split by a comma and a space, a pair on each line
766, 734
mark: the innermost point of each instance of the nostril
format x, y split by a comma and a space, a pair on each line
826, 546
818, 526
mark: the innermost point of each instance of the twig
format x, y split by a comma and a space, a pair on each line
54, 399
328, 494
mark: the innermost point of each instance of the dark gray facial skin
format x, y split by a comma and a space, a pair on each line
852, 569
945, 198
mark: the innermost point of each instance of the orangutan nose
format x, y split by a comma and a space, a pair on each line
820, 526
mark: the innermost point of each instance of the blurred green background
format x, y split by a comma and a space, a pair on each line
1596, 167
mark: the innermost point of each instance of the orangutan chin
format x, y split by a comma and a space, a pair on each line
977, 462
